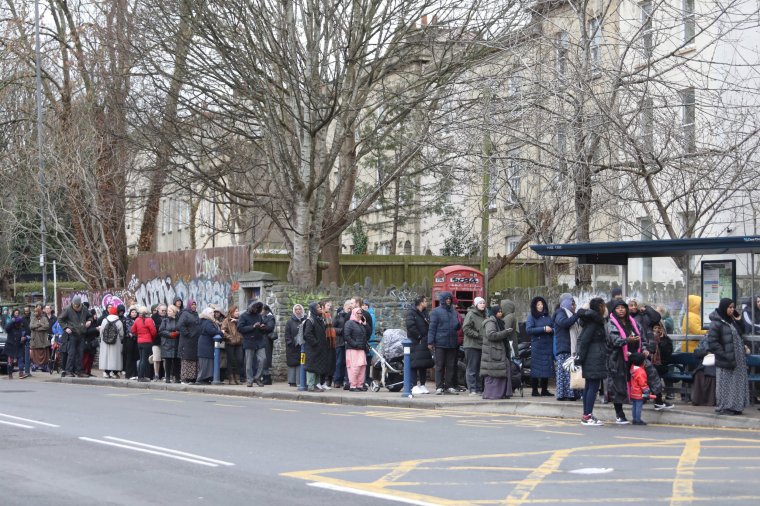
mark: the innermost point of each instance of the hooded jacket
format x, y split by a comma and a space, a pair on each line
592, 345
720, 340
695, 321
474, 328
562, 324
444, 323
315, 342
292, 350
417, 326
541, 342
253, 327
208, 330
494, 361
510, 321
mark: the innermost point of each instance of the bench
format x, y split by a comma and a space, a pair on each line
680, 370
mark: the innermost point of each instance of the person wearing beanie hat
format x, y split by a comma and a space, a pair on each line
566, 332
109, 357
724, 338
188, 325
75, 320
474, 334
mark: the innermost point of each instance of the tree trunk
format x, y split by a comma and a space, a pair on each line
331, 255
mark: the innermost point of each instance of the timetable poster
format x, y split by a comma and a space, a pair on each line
718, 282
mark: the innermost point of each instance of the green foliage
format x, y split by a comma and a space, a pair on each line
461, 243
359, 237
36, 287
305, 298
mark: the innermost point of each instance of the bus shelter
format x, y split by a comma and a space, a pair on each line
620, 252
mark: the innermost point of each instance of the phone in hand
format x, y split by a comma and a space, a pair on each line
510, 329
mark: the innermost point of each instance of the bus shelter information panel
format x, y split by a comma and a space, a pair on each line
718, 282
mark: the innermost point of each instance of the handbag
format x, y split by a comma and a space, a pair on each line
709, 360
577, 381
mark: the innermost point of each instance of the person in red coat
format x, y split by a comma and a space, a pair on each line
145, 330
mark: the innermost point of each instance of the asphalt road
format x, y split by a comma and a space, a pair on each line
66, 444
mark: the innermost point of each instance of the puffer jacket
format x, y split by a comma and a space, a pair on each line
510, 321
720, 340
354, 336
592, 345
208, 330
444, 324
474, 329
496, 349
541, 342
144, 329
695, 321
169, 338
417, 326
189, 329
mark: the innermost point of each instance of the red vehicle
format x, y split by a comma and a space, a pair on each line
464, 283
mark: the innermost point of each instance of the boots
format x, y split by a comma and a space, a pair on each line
534, 387
236, 379
267, 379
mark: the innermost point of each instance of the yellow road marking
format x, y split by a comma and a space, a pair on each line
523, 489
683, 484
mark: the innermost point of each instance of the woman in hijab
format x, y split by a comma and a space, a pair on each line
317, 359
623, 338
566, 334
188, 325
495, 366
356, 349
208, 330
724, 339
539, 327
292, 348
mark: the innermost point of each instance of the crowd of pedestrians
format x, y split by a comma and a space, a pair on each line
623, 348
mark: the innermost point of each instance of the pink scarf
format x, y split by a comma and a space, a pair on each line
635, 327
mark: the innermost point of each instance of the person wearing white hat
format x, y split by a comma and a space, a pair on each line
474, 333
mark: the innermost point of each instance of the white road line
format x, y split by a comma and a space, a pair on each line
29, 420
127, 447
16, 424
377, 495
169, 450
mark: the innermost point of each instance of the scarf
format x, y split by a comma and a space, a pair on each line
635, 327
575, 331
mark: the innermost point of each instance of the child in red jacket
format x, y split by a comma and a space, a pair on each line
639, 387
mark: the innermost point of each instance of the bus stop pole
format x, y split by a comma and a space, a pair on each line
685, 330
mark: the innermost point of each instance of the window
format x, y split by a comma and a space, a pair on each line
561, 140
407, 247
163, 217
688, 118
563, 48
513, 176
512, 243
170, 215
689, 21
647, 124
646, 27
595, 43
493, 183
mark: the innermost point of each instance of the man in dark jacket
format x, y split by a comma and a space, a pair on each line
254, 330
75, 322
340, 377
442, 341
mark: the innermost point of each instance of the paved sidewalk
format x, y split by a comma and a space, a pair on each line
681, 414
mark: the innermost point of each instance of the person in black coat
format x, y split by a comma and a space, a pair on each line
592, 355
14, 347
292, 348
208, 330
315, 339
340, 377
254, 329
724, 338
417, 326
188, 325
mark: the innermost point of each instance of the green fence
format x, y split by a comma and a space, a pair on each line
399, 269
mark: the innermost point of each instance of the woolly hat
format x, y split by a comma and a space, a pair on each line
478, 300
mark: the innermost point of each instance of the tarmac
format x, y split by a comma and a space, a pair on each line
682, 413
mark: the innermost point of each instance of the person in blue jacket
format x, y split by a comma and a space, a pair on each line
442, 342
539, 328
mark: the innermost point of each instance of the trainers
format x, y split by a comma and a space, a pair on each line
416, 390
452, 391
424, 389
591, 420
664, 405
621, 420
325, 386
439, 391
473, 393
639, 422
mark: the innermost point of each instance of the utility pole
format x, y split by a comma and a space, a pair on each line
40, 147
485, 218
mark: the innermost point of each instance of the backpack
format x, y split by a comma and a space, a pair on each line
110, 332
299, 336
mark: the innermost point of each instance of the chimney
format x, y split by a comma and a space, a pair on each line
424, 21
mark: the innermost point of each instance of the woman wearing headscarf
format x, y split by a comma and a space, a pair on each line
355, 338
130, 351
539, 328
207, 331
189, 329
317, 359
724, 339
417, 326
169, 333
566, 331
495, 366
233, 343
293, 349
109, 355
623, 338
40, 345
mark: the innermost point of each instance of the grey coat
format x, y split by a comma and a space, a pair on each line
494, 361
474, 329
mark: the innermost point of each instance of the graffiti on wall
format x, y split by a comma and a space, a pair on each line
204, 291
99, 299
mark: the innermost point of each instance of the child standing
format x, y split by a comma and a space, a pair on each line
639, 388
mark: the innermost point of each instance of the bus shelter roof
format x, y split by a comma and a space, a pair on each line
618, 252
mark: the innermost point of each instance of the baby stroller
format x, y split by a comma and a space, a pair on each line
388, 361
516, 373
523, 356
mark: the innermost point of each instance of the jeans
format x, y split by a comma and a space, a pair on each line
76, 350
341, 374
472, 358
260, 356
24, 360
636, 405
445, 367
145, 351
589, 395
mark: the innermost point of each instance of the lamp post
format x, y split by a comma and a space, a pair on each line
40, 157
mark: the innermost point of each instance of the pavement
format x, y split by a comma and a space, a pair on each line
683, 413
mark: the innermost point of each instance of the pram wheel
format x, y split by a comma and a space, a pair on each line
375, 387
